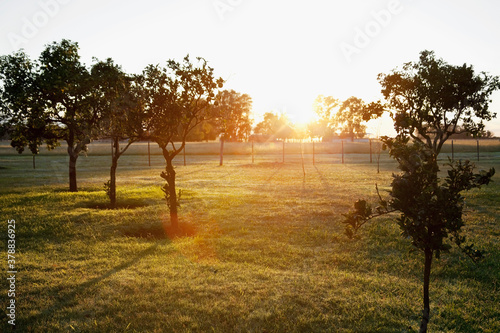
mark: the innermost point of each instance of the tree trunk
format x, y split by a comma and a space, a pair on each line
427, 275
72, 172
174, 219
112, 182
169, 189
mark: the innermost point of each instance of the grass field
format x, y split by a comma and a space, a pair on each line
265, 250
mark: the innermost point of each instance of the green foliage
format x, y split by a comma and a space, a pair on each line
176, 99
430, 101
107, 188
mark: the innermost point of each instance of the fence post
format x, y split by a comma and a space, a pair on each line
149, 154
477, 141
253, 158
371, 161
314, 161
221, 151
342, 151
283, 151
184, 155
452, 151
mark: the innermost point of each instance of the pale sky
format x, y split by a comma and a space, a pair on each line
282, 53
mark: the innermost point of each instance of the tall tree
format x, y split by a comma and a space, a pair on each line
65, 87
177, 99
48, 100
116, 100
430, 100
276, 125
234, 121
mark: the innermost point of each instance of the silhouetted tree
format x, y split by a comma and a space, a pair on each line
325, 107
346, 118
352, 116
53, 101
274, 125
234, 121
177, 99
430, 100
21, 107
116, 99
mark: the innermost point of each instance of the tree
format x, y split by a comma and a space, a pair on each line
353, 114
48, 101
429, 100
234, 115
274, 125
65, 85
21, 113
325, 107
435, 100
122, 117
176, 99
346, 118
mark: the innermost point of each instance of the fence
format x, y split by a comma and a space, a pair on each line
341, 151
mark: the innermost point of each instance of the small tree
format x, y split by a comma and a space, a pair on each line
233, 119
176, 99
122, 117
430, 101
352, 116
277, 126
325, 107
21, 110
347, 118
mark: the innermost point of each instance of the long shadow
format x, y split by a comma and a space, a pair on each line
324, 182
66, 299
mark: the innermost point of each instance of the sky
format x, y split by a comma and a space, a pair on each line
283, 53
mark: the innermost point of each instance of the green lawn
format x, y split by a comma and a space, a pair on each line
264, 251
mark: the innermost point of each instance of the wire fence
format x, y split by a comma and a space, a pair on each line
340, 151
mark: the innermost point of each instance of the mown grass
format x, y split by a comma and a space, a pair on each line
265, 252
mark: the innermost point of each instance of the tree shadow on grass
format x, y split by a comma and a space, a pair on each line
324, 182
127, 204
68, 299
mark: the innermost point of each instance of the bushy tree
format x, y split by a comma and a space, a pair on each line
233, 115
352, 116
49, 100
21, 107
347, 119
430, 100
176, 98
116, 99
275, 125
